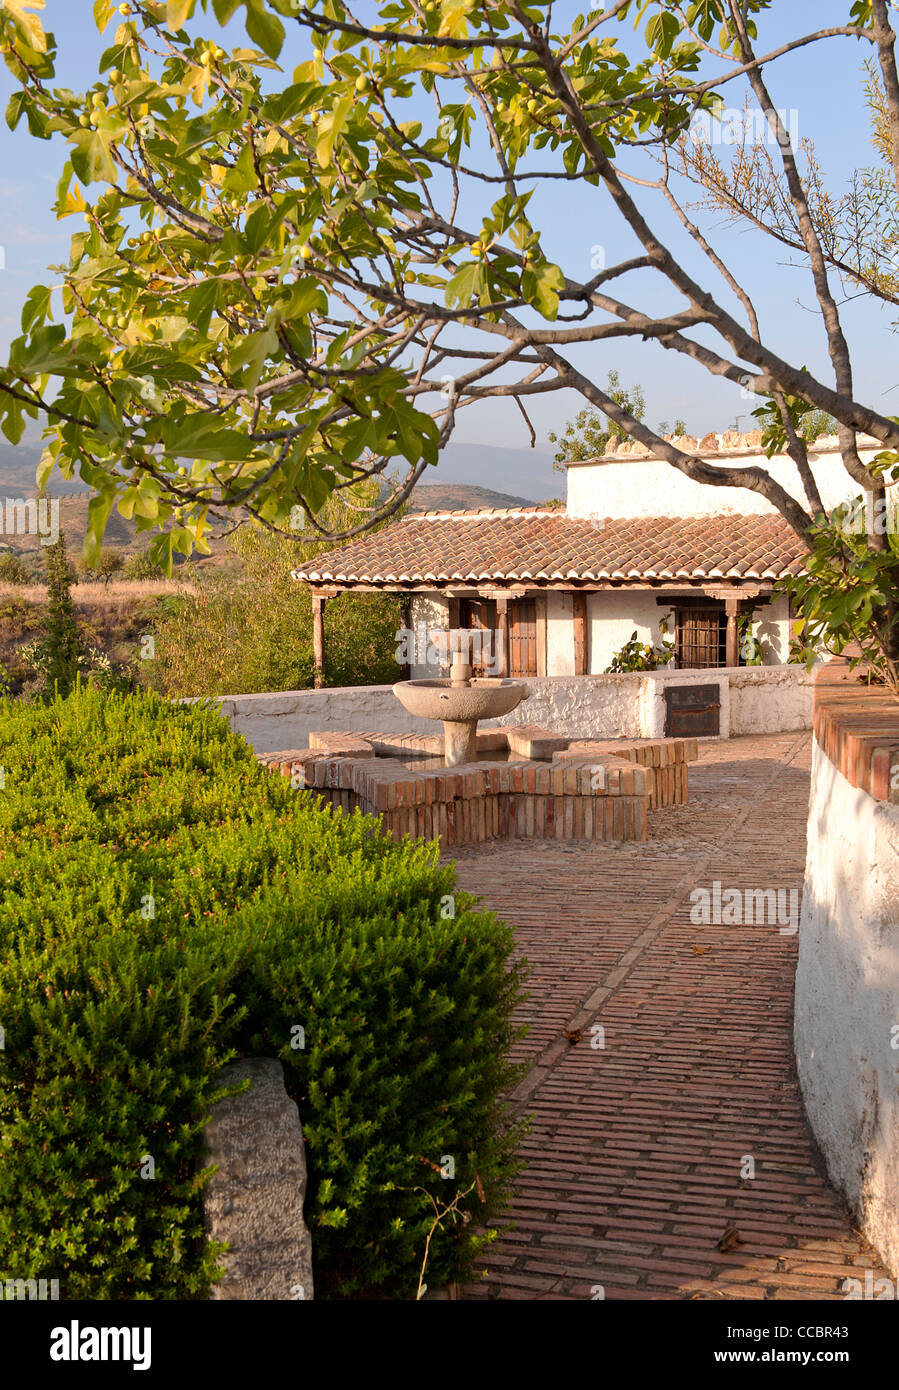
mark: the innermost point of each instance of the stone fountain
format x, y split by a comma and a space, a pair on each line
519, 780
527, 781
459, 703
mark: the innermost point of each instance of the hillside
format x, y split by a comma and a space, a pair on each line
429, 497
18, 463
17, 479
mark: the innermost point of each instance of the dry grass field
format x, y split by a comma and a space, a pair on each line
116, 592
111, 618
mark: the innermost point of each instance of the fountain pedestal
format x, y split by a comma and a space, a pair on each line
460, 741
459, 704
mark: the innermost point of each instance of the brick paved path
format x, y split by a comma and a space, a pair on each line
633, 1167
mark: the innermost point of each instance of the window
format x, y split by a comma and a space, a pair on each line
701, 638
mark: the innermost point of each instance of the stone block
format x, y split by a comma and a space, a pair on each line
532, 741
254, 1199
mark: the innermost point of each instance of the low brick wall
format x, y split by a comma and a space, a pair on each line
587, 792
847, 980
665, 759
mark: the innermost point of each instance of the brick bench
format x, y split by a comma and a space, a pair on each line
590, 790
665, 759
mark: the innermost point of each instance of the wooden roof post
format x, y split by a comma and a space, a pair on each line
406, 623
579, 619
318, 640
501, 638
732, 651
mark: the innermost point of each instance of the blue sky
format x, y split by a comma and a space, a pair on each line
823, 84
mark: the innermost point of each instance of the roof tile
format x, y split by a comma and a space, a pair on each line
540, 544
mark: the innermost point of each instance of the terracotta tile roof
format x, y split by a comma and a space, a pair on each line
541, 546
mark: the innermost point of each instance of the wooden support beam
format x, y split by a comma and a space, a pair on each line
502, 634
406, 620
732, 649
318, 640
579, 623
753, 592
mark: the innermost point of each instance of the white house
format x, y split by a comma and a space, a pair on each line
558, 591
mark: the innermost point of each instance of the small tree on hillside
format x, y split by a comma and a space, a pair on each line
60, 653
108, 563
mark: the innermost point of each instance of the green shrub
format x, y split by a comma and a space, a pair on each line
168, 905
642, 656
108, 563
252, 632
140, 567
60, 656
13, 570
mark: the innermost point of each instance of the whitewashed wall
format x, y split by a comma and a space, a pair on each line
770, 699
772, 626
559, 634
630, 483
753, 700
612, 618
847, 997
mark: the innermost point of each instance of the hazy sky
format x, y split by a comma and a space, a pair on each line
822, 85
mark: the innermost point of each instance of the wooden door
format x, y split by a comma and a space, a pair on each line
523, 637
479, 615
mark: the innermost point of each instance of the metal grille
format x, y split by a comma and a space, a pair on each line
692, 710
701, 638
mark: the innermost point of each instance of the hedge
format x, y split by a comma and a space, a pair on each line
166, 906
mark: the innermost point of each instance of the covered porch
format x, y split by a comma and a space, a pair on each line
541, 593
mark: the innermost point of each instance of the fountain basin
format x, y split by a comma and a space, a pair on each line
485, 698
586, 790
459, 703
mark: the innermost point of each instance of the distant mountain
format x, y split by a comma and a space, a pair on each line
456, 497
506, 478
18, 464
520, 473
73, 521
73, 517
526, 473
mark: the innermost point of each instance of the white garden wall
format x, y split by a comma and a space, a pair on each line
753, 700
847, 997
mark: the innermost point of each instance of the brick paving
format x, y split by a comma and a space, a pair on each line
634, 1167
